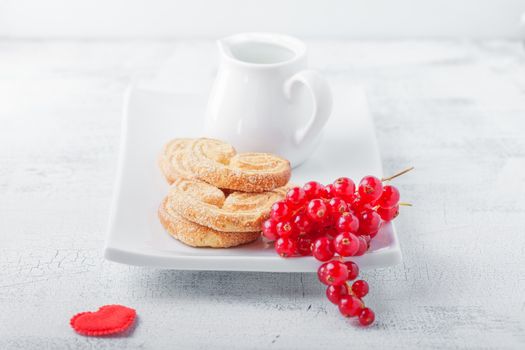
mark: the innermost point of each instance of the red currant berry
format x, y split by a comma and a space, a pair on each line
304, 246
389, 197
312, 189
323, 250
388, 214
346, 244
347, 222
317, 231
333, 273
366, 317
363, 246
296, 197
337, 206
350, 306
268, 229
334, 293
344, 188
330, 232
353, 270
358, 205
360, 288
316, 210
285, 246
369, 222
323, 194
302, 223
329, 191
285, 229
373, 234
280, 210
370, 189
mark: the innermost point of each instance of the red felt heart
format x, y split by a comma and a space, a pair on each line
109, 319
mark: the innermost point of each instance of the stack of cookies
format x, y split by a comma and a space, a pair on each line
218, 198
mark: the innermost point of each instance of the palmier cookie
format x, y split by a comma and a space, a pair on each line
217, 163
175, 156
206, 205
196, 235
173, 160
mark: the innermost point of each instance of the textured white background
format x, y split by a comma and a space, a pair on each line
215, 18
454, 109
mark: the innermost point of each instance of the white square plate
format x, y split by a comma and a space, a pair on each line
151, 118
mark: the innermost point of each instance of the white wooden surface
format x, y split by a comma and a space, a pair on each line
455, 110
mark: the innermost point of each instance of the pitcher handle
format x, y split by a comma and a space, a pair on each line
322, 103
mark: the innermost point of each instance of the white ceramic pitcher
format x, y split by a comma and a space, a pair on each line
264, 98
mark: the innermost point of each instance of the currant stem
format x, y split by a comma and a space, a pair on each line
404, 204
398, 174
349, 287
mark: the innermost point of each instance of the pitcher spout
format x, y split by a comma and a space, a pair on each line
224, 46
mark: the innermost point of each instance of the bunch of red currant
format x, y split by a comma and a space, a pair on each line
335, 219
